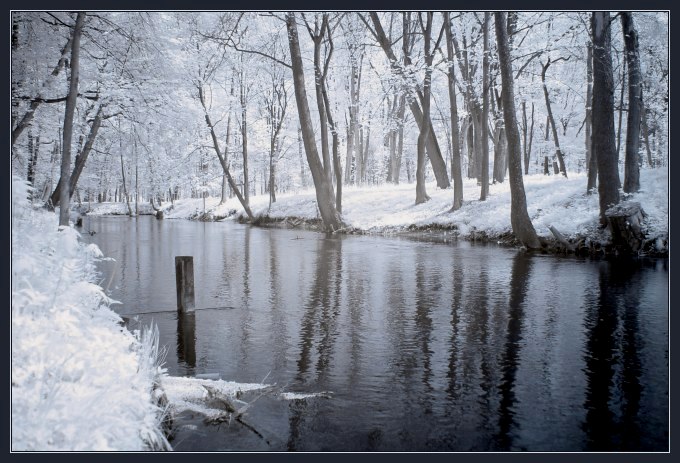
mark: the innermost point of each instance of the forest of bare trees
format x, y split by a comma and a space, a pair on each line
141, 106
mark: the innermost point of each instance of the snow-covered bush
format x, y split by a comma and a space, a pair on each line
80, 381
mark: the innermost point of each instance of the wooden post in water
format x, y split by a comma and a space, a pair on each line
184, 276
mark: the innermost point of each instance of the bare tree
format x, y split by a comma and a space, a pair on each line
456, 172
324, 189
631, 179
428, 56
485, 110
432, 146
604, 143
519, 217
71, 100
591, 161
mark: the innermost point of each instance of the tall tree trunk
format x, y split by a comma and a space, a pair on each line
500, 151
244, 140
519, 217
551, 119
303, 177
353, 125
645, 132
623, 92
604, 143
456, 172
591, 162
432, 146
421, 194
324, 189
336, 156
400, 138
631, 180
485, 111
225, 180
527, 131
317, 38
122, 172
71, 101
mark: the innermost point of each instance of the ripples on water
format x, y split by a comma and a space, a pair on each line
425, 346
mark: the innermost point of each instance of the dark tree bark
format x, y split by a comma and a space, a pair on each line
519, 217
225, 179
631, 181
500, 150
337, 168
645, 132
591, 162
324, 189
432, 146
485, 111
317, 36
551, 119
528, 135
244, 138
71, 101
353, 125
421, 194
122, 171
604, 143
456, 172
623, 92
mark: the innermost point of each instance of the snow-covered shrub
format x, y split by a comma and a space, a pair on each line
80, 381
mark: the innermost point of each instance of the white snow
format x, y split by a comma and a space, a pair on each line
80, 382
186, 393
551, 200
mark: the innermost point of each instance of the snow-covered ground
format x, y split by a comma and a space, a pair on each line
551, 200
80, 382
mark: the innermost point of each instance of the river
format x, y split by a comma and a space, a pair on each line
424, 346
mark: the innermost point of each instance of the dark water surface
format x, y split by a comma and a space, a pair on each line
425, 346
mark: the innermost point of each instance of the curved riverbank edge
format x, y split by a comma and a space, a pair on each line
595, 244
565, 216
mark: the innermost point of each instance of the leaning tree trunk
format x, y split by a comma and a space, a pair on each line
71, 101
223, 160
551, 120
631, 181
324, 190
519, 217
80, 158
431, 144
604, 143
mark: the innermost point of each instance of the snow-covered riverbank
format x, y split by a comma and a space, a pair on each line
80, 381
386, 209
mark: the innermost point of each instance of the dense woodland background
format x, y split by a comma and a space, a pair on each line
150, 106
